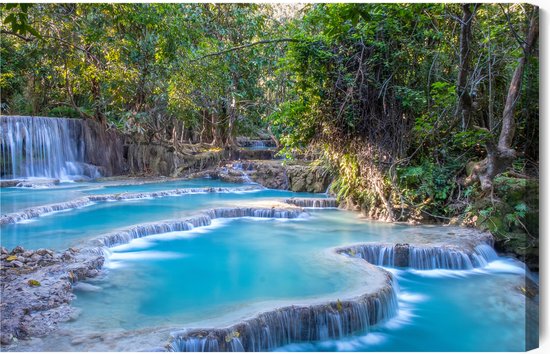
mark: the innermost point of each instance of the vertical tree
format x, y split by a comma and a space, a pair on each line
500, 155
464, 108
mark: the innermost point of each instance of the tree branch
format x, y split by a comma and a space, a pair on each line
521, 42
246, 46
26, 39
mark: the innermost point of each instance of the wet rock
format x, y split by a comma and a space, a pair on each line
4, 250
35, 297
27, 254
21, 259
67, 256
401, 255
18, 250
298, 177
86, 287
43, 252
6, 338
92, 273
17, 264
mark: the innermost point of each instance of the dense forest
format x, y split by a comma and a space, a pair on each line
420, 111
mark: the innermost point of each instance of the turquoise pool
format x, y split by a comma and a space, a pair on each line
214, 274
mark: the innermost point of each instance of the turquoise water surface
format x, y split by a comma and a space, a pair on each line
64, 229
178, 279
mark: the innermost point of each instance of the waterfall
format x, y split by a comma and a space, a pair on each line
313, 202
483, 255
258, 144
238, 166
291, 324
138, 231
423, 257
35, 212
380, 255
43, 147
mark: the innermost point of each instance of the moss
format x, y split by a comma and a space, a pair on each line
231, 336
339, 306
33, 282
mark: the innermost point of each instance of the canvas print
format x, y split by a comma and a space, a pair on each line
269, 177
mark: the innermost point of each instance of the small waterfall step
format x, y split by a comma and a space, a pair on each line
269, 330
424, 257
313, 202
205, 218
38, 211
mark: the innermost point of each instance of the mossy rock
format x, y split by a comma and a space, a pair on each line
33, 282
11, 258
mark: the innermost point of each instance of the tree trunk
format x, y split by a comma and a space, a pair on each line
500, 157
232, 110
464, 109
215, 134
96, 93
508, 121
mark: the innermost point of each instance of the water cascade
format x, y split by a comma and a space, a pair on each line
423, 257
43, 147
313, 202
292, 324
35, 212
138, 231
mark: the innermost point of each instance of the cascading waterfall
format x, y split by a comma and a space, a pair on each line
43, 147
313, 202
258, 144
138, 231
291, 324
35, 212
378, 254
423, 257
483, 255
239, 167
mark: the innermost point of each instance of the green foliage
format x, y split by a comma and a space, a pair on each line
140, 67
369, 88
428, 184
443, 94
17, 18
64, 111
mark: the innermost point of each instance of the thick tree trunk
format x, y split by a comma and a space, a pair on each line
500, 157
